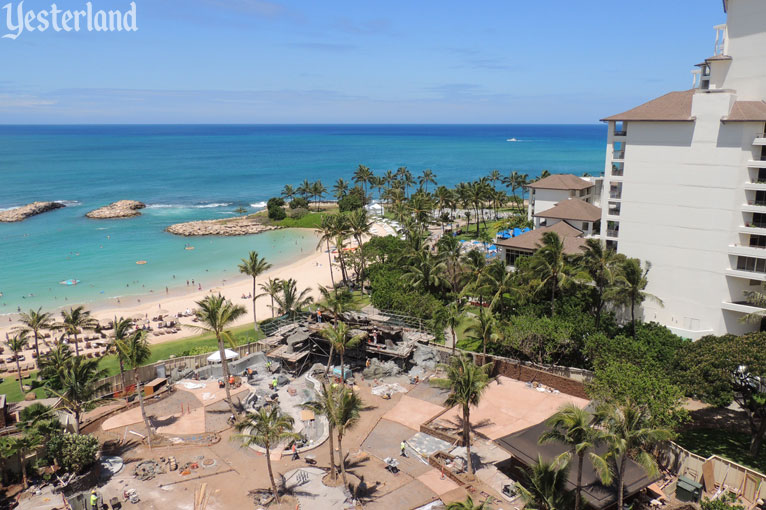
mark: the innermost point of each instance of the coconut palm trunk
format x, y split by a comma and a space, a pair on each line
329, 360
578, 491
225, 369
18, 371
454, 340
342, 459
24, 480
467, 436
147, 423
122, 376
333, 469
267, 446
329, 261
37, 348
255, 296
76, 345
620, 482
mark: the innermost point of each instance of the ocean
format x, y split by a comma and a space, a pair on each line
193, 172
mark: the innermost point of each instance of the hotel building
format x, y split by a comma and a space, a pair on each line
685, 184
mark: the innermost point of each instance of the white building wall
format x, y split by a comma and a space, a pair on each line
544, 199
681, 209
746, 42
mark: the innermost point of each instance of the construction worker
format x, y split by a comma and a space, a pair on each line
94, 499
274, 384
367, 363
295, 452
403, 446
319, 315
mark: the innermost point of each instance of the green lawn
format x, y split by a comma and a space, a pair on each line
242, 335
731, 445
311, 220
10, 388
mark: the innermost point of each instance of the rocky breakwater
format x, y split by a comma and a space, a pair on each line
25, 211
119, 209
227, 227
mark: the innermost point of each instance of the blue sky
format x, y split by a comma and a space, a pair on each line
258, 61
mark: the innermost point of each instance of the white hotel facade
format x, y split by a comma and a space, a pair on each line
685, 184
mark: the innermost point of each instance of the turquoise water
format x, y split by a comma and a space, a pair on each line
204, 172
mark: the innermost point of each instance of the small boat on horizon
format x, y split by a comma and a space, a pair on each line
511, 140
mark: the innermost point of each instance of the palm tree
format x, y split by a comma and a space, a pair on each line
340, 188
290, 301
305, 189
340, 340
546, 487
496, 281
75, 319
628, 435
22, 445
484, 329
317, 191
454, 318
216, 314
359, 225
575, 428
17, 343
39, 419
80, 384
135, 351
122, 329
254, 266
271, 288
347, 409
328, 230
427, 176
266, 427
362, 176
517, 181
425, 271
34, 322
53, 364
630, 284
550, 266
335, 300
468, 504
600, 265
325, 406
288, 192
466, 382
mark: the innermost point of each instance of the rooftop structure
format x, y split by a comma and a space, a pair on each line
549, 191
527, 243
685, 184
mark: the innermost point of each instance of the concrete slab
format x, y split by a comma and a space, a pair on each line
191, 423
434, 481
412, 412
412, 495
508, 406
433, 394
384, 440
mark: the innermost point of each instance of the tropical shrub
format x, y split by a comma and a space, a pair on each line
73, 452
299, 203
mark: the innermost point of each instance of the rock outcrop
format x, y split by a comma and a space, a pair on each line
25, 211
119, 209
227, 227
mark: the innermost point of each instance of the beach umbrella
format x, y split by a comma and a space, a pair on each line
216, 356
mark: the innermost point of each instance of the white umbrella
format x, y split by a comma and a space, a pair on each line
216, 356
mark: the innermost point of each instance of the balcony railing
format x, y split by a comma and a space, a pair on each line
618, 155
616, 194
620, 132
614, 209
612, 232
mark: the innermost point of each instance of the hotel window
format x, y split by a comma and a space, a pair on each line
511, 256
759, 220
751, 264
760, 197
755, 283
757, 241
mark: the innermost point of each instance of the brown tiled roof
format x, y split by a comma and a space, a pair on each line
747, 111
572, 209
532, 240
674, 106
561, 181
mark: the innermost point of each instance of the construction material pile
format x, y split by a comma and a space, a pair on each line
147, 470
378, 369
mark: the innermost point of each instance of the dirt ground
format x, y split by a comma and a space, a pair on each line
237, 470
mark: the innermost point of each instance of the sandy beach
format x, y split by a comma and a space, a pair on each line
311, 270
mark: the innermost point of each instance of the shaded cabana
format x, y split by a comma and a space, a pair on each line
524, 448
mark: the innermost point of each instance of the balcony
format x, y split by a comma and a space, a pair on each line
756, 163
618, 155
614, 209
620, 132
760, 139
613, 233
756, 184
740, 307
747, 250
754, 206
747, 275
